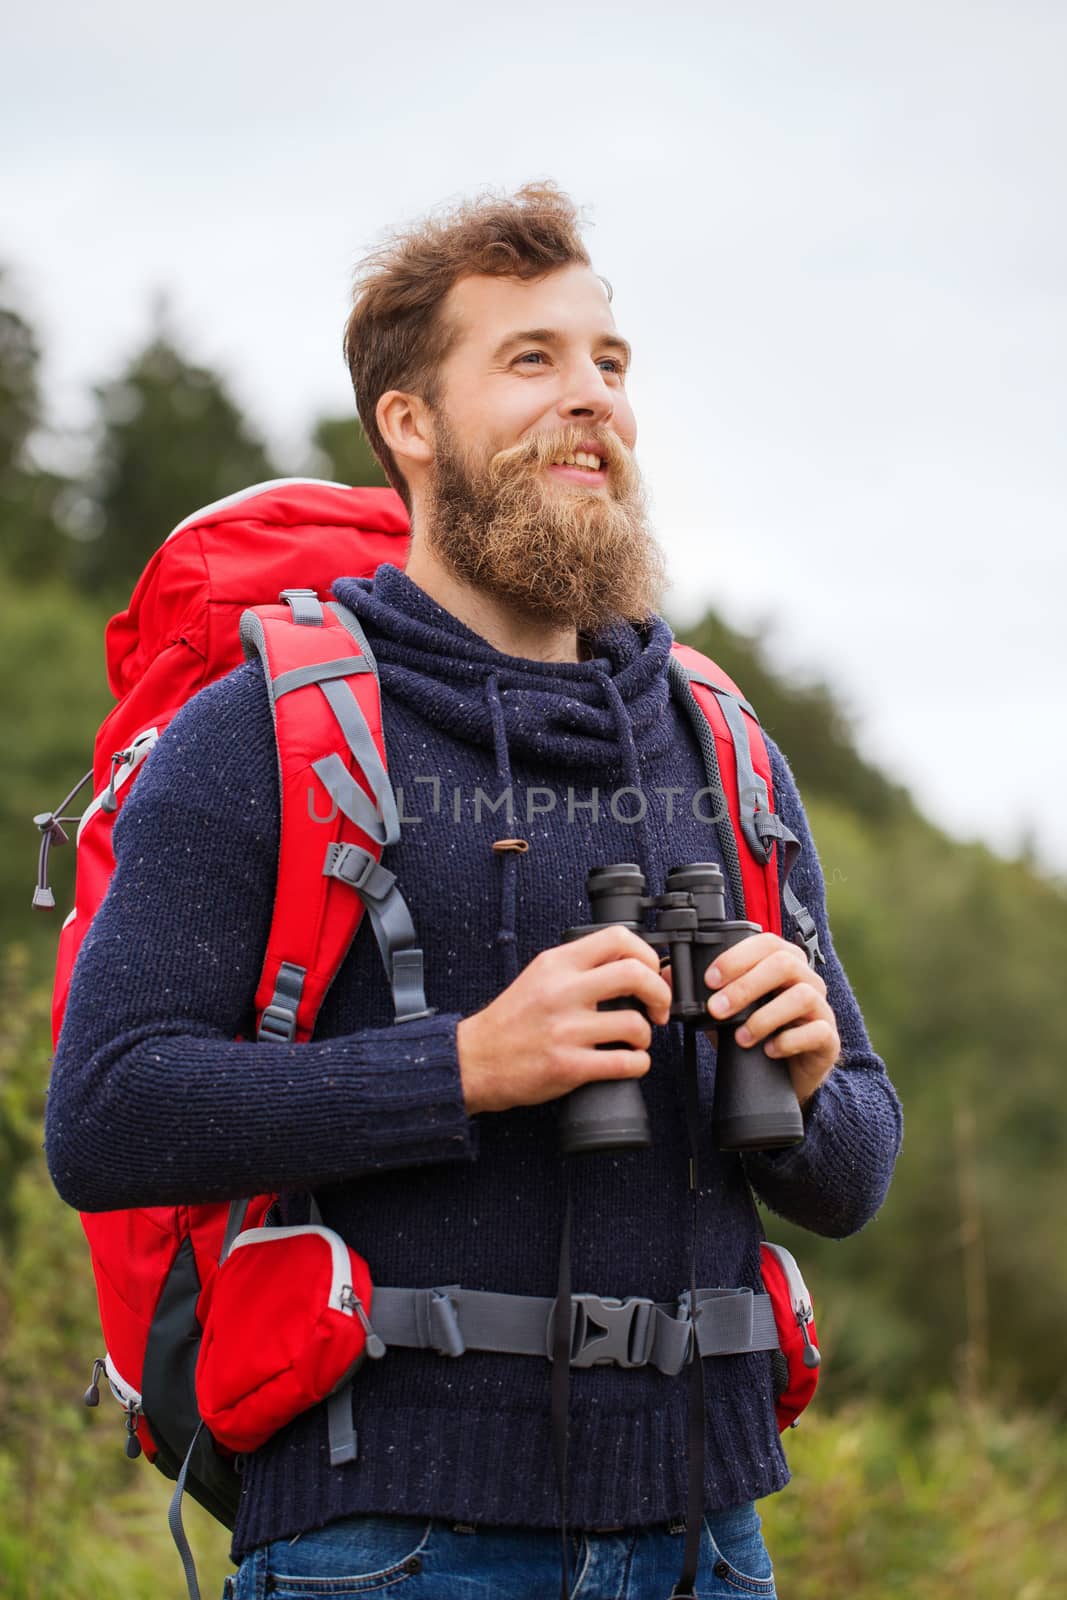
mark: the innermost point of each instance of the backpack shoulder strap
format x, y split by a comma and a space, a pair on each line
739, 775
337, 814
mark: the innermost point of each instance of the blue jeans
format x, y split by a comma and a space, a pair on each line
413, 1558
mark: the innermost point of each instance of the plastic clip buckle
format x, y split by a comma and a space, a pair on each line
606, 1330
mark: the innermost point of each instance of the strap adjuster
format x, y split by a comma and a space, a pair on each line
357, 867
277, 1024
606, 1330
438, 1322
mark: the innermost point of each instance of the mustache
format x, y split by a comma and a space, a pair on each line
544, 448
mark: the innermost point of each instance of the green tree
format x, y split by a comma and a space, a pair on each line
169, 438
32, 545
343, 453
20, 395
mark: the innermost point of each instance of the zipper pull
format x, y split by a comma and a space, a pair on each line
49, 825
375, 1346
52, 833
109, 799
812, 1358
92, 1394
133, 1444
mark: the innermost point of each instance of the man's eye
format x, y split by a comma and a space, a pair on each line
612, 364
532, 355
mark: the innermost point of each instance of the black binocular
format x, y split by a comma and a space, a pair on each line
755, 1107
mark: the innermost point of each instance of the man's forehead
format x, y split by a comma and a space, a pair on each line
572, 299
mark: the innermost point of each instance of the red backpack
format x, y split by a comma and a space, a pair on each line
248, 573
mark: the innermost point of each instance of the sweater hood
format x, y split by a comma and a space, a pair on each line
606, 713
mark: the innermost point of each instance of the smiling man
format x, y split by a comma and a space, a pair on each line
523, 663
522, 417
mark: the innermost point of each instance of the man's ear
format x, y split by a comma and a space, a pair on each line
406, 425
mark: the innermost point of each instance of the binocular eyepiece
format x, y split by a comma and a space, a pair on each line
755, 1106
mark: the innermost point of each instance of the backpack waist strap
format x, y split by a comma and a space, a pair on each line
634, 1332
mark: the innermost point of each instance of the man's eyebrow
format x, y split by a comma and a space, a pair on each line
609, 341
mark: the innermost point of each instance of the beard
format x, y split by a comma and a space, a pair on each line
557, 553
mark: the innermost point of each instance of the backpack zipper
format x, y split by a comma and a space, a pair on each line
123, 765
128, 1398
799, 1298
342, 1296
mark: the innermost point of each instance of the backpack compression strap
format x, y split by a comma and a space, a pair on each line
739, 777
337, 815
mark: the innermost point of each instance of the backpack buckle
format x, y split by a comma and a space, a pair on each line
607, 1330
278, 1024
353, 865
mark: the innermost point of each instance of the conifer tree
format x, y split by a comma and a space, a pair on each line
31, 542
169, 439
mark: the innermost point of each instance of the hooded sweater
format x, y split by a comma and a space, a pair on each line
156, 1099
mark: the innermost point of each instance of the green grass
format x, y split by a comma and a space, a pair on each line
970, 1506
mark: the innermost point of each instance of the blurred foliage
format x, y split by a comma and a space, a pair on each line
169, 439
934, 1457
20, 393
968, 1503
32, 498
343, 453
78, 1520
52, 711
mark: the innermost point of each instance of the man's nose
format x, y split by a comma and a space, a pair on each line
586, 396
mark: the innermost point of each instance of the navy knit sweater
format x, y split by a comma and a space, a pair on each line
153, 1100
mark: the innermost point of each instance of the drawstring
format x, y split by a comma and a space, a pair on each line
631, 767
507, 849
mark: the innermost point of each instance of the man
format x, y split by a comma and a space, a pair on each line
521, 658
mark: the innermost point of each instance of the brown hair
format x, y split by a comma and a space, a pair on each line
395, 337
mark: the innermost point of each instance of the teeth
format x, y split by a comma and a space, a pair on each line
579, 458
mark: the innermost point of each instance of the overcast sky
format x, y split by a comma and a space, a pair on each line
836, 236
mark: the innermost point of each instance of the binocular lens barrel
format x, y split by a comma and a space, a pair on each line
755, 1106
610, 1114
615, 893
704, 881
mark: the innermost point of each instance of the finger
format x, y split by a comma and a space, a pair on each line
615, 1027
612, 943
783, 967
797, 1003
733, 963
815, 1038
626, 976
738, 958
595, 1064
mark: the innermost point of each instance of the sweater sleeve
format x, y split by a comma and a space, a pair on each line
153, 1099
836, 1180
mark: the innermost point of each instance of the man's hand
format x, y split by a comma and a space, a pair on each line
808, 1041
537, 1040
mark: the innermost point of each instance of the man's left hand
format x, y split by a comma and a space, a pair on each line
798, 1015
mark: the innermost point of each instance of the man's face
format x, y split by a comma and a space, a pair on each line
535, 375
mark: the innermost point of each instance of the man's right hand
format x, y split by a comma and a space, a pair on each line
537, 1040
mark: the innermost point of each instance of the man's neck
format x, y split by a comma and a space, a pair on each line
511, 632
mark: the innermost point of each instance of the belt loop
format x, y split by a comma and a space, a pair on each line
445, 1335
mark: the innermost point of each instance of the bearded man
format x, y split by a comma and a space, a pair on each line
521, 656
